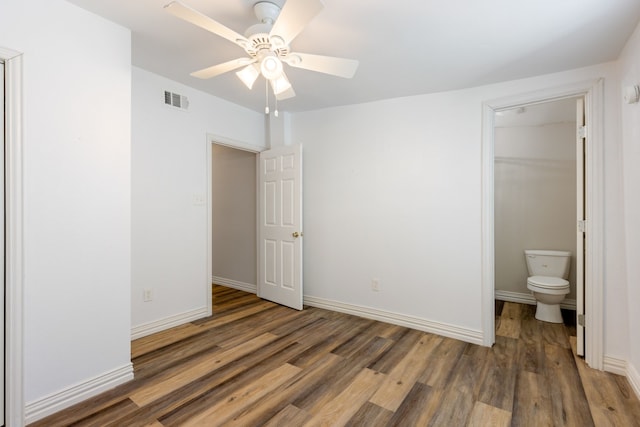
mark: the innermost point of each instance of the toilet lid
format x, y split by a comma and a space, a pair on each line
548, 282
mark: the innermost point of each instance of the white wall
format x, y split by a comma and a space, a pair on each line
535, 199
393, 191
234, 209
169, 168
77, 87
630, 118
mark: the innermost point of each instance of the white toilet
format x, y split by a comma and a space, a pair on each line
548, 271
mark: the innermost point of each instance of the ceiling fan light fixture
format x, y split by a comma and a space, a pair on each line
280, 85
271, 67
248, 75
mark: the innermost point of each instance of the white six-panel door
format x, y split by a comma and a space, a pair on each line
280, 226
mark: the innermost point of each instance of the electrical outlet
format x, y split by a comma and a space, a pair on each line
147, 295
375, 285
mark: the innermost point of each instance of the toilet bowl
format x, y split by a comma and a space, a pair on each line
548, 271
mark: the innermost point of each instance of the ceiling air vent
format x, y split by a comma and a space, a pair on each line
176, 100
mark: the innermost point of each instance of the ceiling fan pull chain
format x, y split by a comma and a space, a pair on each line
266, 96
275, 113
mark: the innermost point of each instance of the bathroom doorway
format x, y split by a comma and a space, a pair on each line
593, 94
538, 195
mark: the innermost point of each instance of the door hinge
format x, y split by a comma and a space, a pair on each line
582, 132
581, 321
582, 225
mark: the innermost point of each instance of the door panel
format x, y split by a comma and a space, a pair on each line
280, 226
2, 257
581, 141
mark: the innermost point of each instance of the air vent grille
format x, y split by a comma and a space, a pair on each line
176, 100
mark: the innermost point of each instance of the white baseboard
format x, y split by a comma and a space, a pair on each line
621, 367
634, 379
615, 366
527, 298
462, 334
168, 322
58, 401
241, 286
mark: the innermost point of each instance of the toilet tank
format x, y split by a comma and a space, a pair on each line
548, 263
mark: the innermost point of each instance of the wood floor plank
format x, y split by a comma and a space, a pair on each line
322, 393
253, 367
461, 393
499, 381
532, 401
166, 383
98, 418
289, 416
419, 407
161, 339
442, 362
530, 327
403, 376
179, 398
370, 414
341, 332
387, 361
265, 411
484, 415
509, 328
218, 415
568, 401
339, 410
555, 334
511, 310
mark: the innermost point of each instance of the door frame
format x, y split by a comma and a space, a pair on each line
238, 145
593, 93
14, 388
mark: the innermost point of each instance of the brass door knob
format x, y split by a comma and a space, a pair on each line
296, 234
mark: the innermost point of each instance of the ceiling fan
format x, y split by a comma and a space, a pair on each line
267, 44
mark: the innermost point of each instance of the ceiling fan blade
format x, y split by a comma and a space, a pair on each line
216, 70
340, 67
289, 93
293, 17
188, 14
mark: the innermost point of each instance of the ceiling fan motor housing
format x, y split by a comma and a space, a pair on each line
258, 34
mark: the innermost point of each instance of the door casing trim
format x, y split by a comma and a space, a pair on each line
593, 92
14, 246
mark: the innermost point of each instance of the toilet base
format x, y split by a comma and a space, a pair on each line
549, 313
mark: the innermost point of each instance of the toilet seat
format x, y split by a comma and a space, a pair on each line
548, 282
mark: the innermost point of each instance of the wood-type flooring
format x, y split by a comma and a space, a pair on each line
255, 363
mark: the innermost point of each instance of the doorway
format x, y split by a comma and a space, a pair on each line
593, 94
538, 192
233, 217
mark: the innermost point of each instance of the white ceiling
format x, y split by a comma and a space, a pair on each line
405, 47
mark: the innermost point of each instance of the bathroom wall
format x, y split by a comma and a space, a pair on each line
535, 199
233, 206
